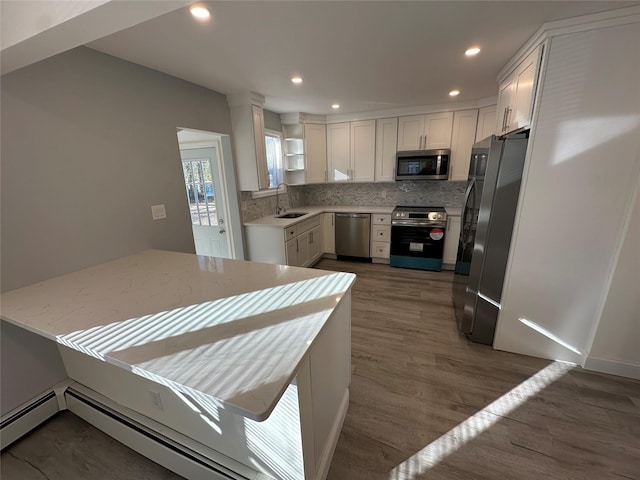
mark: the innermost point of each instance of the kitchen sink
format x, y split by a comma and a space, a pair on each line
291, 215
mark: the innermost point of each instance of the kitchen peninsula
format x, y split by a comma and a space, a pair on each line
244, 365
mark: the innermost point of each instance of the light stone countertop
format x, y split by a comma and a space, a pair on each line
272, 220
236, 331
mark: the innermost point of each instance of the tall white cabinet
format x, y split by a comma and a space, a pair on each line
315, 142
247, 124
386, 147
462, 139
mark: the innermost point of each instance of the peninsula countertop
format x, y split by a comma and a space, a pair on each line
235, 331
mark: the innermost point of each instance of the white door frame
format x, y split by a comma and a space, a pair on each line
233, 222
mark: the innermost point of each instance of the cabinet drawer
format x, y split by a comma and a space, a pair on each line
381, 233
380, 219
308, 224
290, 232
380, 249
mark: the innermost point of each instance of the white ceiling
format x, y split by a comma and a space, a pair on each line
364, 55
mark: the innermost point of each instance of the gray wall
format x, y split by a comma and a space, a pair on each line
88, 145
272, 121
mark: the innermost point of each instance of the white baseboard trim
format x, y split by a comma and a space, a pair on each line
334, 435
20, 421
614, 368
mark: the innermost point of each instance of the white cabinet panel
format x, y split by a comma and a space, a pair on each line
380, 249
338, 152
363, 151
315, 245
386, 147
437, 130
381, 233
463, 138
451, 241
516, 95
247, 124
329, 233
380, 219
315, 139
410, 132
486, 122
419, 132
292, 252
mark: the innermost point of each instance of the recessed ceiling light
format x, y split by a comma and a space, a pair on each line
472, 51
200, 12
297, 79
335, 106
453, 93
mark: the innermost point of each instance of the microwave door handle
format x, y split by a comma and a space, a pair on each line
438, 165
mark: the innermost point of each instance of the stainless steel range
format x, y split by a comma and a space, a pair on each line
417, 237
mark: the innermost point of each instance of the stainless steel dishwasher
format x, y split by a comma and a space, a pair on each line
353, 233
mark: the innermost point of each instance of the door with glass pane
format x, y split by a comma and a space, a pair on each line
206, 201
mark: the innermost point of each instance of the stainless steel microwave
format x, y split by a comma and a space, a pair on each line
423, 165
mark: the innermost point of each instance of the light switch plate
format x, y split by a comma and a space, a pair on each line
158, 212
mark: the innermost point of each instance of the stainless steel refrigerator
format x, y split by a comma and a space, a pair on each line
488, 215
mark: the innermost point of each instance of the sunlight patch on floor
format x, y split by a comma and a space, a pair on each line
425, 459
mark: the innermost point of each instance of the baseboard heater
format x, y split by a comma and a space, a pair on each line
21, 421
172, 450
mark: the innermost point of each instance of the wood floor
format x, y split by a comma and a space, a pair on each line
425, 403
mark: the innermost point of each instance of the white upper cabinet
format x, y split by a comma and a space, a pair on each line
486, 122
463, 138
419, 132
247, 125
351, 148
339, 151
517, 94
386, 147
315, 139
363, 151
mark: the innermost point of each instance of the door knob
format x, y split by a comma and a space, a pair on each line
221, 231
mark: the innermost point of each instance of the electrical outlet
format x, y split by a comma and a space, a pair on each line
158, 212
383, 194
156, 400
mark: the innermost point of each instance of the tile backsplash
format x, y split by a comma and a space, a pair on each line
420, 192
433, 193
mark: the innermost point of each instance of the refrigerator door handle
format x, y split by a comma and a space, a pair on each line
467, 193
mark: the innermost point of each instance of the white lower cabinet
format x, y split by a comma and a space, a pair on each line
380, 237
329, 233
299, 245
451, 242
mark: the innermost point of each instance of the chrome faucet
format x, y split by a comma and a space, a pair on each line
278, 197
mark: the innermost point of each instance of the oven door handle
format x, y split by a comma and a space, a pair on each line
412, 223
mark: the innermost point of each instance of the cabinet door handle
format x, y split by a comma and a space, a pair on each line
506, 126
332, 218
420, 143
297, 245
504, 119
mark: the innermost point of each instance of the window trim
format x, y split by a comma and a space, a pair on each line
269, 192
